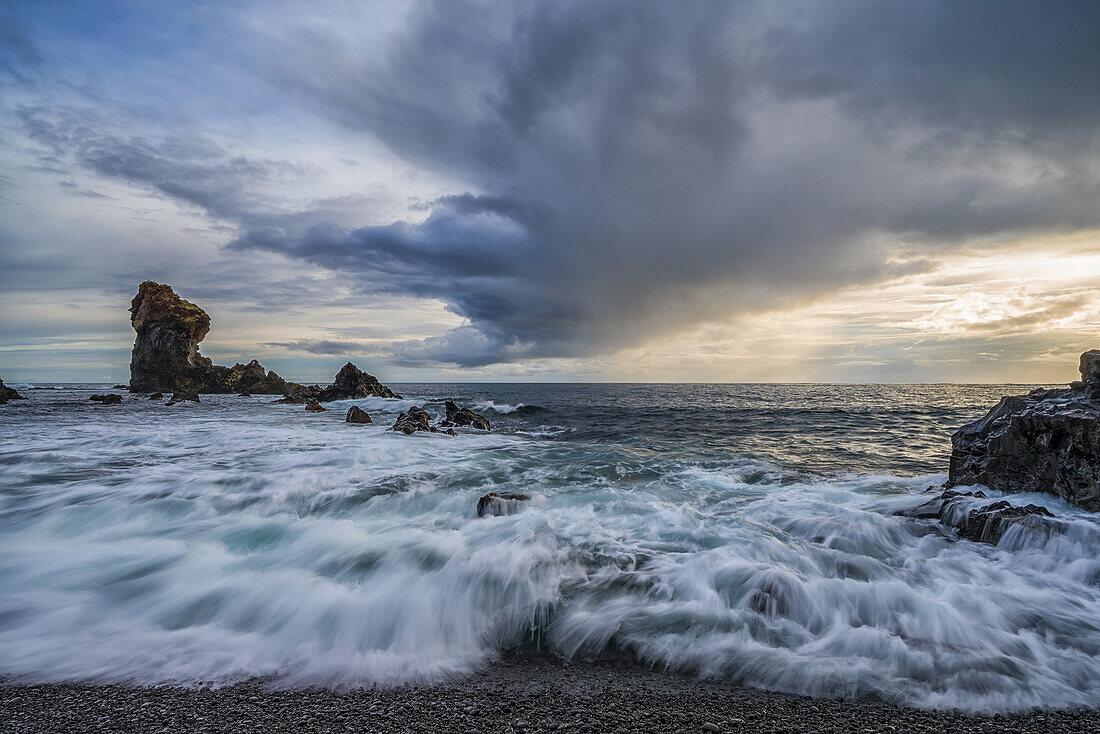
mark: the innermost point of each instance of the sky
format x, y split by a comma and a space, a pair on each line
851, 191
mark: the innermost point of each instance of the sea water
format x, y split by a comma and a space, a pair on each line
741, 532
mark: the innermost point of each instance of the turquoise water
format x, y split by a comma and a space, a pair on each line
739, 532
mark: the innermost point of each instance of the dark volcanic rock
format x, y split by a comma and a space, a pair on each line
107, 399
180, 396
315, 407
506, 503
166, 351
413, 420
457, 416
1045, 441
301, 395
357, 415
121, 387
351, 383
156, 396
7, 393
981, 520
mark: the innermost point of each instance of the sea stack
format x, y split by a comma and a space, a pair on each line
1045, 441
7, 393
166, 351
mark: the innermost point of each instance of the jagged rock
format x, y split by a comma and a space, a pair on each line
166, 351
121, 387
301, 395
156, 396
357, 415
506, 503
314, 407
8, 393
1045, 441
351, 383
457, 416
107, 399
180, 396
980, 520
413, 420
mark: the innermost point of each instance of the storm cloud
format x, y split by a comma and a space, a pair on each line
623, 170
638, 166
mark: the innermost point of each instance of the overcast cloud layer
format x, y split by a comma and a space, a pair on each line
574, 179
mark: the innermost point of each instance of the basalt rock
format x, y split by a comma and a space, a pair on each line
457, 416
413, 420
301, 395
166, 351
977, 518
357, 415
351, 383
121, 387
314, 407
156, 396
1045, 441
505, 503
107, 399
8, 393
179, 396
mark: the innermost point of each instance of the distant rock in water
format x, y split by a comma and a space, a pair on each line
351, 382
314, 407
121, 387
505, 503
166, 351
156, 396
1045, 441
457, 416
357, 415
8, 393
110, 399
413, 420
180, 396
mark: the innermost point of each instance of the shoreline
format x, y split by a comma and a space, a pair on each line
520, 692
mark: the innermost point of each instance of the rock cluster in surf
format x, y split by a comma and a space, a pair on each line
457, 416
8, 393
1045, 441
350, 383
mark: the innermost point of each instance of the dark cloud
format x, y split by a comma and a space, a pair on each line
639, 166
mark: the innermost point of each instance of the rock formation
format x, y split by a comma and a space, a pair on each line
1045, 441
506, 503
977, 518
413, 420
314, 407
7, 393
184, 394
457, 416
350, 383
357, 415
166, 351
110, 399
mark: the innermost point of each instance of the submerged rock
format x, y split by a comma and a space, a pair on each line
109, 399
156, 396
981, 520
1045, 441
166, 351
412, 420
357, 415
180, 396
505, 503
315, 407
457, 416
8, 393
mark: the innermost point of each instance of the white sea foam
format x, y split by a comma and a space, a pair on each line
240, 539
503, 408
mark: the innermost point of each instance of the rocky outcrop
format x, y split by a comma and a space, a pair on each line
412, 420
351, 383
189, 395
457, 416
7, 393
109, 399
505, 503
156, 396
981, 520
1045, 441
121, 387
314, 407
166, 351
357, 415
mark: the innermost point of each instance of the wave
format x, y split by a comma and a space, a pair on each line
228, 544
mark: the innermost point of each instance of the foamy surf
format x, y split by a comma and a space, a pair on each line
239, 539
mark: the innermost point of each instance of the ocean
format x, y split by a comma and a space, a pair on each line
739, 532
